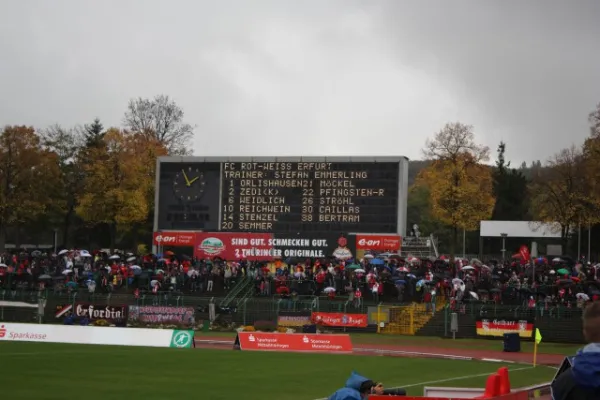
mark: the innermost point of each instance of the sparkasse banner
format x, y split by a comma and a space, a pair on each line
294, 342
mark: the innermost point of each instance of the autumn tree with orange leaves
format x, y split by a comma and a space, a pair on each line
119, 181
459, 184
28, 177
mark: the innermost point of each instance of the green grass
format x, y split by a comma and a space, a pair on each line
53, 371
436, 342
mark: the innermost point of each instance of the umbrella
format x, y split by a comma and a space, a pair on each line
329, 289
403, 269
63, 252
557, 259
413, 259
369, 256
71, 284
385, 255
160, 271
169, 253
400, 282
486, 267
552, 272
359, 271
377, 261
468, 268
353, 266
135, 267
474, 295
3, 266
131, 259
476, 261
562, 271
114, 257
44, 277
36, 253
395, 257
457, 281
193, 272
84, 253
411, 276
153, 283
582, 296
67, 272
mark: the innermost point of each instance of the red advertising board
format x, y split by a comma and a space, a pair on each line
174, 238
294, 342
340, 320
378, 242
234, 246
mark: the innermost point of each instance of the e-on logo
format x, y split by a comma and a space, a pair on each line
182, 339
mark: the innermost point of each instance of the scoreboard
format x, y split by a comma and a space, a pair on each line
329, 194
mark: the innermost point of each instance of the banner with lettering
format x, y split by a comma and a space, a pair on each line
232, 246
161, 315
115, 315
498, 327
294, 319
305, 245
293, 342
340, 320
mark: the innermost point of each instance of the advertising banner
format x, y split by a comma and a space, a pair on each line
378, 242
96, 335
161, 315
116, 315
294, 319
340, 320
311, 245
498, 327
182, 239
293, 342
234, 246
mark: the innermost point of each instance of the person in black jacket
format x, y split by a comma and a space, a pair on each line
582, 380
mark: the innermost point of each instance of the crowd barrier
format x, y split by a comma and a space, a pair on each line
96, 335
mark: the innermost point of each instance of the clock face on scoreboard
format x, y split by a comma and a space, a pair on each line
189, 184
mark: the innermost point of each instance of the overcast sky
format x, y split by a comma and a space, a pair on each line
320, 77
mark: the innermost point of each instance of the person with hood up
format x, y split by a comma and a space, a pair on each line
357, 388
582, 380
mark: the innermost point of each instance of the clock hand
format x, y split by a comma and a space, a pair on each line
193, 180
187, 181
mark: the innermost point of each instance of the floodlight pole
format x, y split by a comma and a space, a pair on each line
589, 258
579, 242
504, 235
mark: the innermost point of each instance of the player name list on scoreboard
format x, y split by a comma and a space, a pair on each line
271, 196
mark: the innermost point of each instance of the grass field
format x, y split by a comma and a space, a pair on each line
436, 342
56, 371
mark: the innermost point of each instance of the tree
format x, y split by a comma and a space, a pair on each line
67, 144
510, 190
29, 175
160, 119
561, 192
93, 133
118, 178
459, 184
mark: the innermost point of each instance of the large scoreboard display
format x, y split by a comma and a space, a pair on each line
329, 194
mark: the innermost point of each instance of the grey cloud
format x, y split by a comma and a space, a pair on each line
311, 77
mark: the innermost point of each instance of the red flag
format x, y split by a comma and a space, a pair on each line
524, 251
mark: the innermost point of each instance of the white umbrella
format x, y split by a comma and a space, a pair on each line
135, 267
457, 281
329, 289
63, 252
582, 296
108, 268
413, 259
385, 255
552, 272
486, 267
193, 272
131, 259
468, 268
114, 257
84, 253
369, 256
403, 269
474, 295
160, 271
67, 272
153, 283
3, 266
359, 271
557, 259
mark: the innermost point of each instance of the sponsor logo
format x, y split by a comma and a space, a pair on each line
252, 338
212, 246
181, 339
294, 342
2, 331
365, 242
165, 239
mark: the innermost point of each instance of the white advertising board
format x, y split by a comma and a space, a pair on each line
95, 335
520, 229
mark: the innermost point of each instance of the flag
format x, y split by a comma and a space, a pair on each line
538, 336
